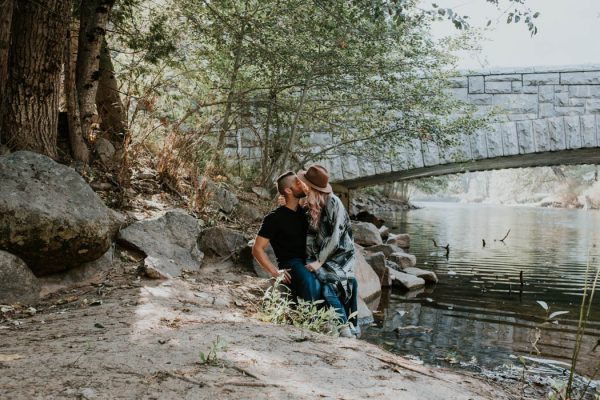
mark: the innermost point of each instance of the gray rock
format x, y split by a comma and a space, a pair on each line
220, 241
260, 272
365, 234
406, 281
476, 84
541, 79
386, 249
580, 78
498, 87
384, 232
249, 213
105, 150
170, 243
401, 240
49, 216
427, 276
262, 192
404, 260
224, 199
503, 78
369, 286
17, 282
83, 274
377, 262
365, 315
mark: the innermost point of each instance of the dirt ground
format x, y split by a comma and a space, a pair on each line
123, 337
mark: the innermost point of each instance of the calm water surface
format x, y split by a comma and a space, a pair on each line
478, 315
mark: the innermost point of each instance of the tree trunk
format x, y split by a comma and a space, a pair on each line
110, 108
29, 112
78, 145
93, 19
6, 11
237, 63
294, 129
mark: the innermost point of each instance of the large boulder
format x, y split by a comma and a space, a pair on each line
365, 216
427, 276
406, 281
220, 241
220, 196
365, 315
17, 283
365, 234
49, 216
384, 232
90, 272
386, 249
377, 262
404, 260
369, 286
169, 241
401, 240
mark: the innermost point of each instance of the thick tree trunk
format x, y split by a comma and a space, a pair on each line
93, 19
29, 112
6, 11
110, 108
79, 147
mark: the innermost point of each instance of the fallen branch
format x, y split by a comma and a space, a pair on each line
446, 247
403, 366
505, 236
250, 384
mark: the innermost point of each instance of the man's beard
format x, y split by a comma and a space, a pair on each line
298, 193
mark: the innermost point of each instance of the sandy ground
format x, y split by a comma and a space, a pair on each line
144, 342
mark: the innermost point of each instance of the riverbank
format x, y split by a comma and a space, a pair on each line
125, 337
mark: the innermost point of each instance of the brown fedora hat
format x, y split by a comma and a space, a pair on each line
317, 177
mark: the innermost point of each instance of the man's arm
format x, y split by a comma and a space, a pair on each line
258, 251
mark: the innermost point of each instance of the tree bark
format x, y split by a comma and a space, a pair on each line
6, 11
79, 147
108, 101
93, 19
29, 112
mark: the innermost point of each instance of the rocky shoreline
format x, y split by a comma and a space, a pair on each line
66, 257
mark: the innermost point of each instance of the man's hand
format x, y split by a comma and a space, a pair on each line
287, 278
313, 266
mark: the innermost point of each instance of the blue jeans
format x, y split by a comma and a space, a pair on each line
343, 310
304, 283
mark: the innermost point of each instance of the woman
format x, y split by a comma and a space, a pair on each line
329, 245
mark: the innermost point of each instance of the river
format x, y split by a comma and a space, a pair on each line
479, 316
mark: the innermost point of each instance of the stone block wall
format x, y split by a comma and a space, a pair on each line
540, 109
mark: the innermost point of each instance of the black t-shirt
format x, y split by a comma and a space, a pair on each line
286, 230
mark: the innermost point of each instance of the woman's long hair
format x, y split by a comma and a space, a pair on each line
316, 201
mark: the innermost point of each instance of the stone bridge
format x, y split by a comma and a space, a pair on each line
548, 116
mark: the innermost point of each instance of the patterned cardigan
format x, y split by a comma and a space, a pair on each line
333, 245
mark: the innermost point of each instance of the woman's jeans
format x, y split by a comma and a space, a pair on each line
306, 286
343, 310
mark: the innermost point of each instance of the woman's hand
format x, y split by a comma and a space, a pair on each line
314, 266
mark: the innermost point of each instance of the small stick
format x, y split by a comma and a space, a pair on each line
505, 236
521, 277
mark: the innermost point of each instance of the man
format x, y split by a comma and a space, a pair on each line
285, 229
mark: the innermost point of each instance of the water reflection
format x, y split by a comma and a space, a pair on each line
480, 314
